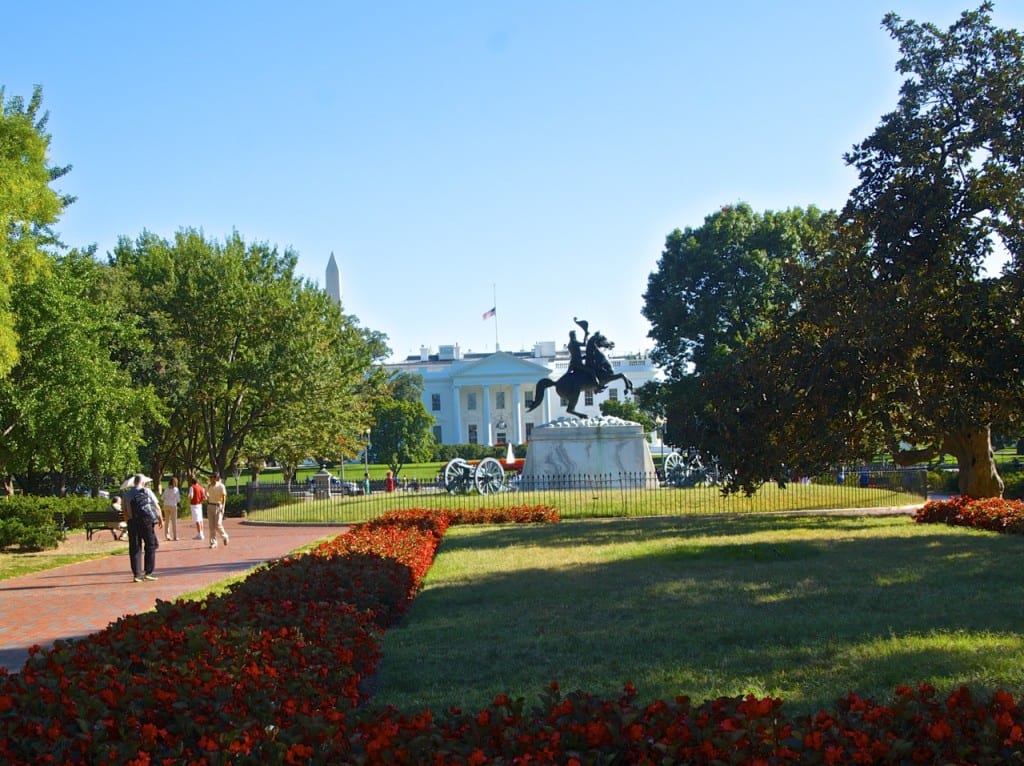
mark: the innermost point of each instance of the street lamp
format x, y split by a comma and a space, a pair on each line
366, 458
660, 427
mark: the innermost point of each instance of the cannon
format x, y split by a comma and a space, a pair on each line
461, 476
689, 469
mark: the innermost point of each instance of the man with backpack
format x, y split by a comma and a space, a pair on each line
143, 516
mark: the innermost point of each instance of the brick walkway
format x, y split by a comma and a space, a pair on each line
82, 598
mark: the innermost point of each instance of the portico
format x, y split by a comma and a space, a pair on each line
488, 400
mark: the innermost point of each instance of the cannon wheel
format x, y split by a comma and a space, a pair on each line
455, 476
684, 469
673, 462
489, 477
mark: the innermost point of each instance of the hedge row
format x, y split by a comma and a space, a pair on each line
30, 523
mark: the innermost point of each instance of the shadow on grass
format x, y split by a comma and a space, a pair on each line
806, 608
577, 532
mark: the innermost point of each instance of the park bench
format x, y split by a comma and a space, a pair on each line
109, 519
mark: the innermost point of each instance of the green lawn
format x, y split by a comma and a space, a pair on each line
600, 503
807, 608
18, 564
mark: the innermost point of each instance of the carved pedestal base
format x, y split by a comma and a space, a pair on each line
596, 453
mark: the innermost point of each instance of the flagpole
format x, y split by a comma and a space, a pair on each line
494, 288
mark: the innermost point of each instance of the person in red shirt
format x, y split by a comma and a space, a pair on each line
196, 497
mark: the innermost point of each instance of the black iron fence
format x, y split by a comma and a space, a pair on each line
595, 495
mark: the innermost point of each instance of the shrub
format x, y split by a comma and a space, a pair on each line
235, 505
1014, 484
995, 514
39, 523
444, 452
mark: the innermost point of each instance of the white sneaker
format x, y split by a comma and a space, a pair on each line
213, 543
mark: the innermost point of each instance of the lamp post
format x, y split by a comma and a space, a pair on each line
366, 458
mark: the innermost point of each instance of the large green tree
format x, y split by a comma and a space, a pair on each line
401, 432
890, 336
29, 207
942, 189
70, 413
243, 352
716, 288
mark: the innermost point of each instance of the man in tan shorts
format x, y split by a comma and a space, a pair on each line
216, 498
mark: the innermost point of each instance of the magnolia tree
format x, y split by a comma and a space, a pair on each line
877, 329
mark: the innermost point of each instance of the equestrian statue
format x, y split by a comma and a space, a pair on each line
589, 370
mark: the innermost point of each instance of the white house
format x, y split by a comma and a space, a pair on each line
483, 398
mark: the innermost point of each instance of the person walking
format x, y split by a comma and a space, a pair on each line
143, 511
216, 498
196, 498
170, 499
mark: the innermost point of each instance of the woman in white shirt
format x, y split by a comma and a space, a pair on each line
169, 500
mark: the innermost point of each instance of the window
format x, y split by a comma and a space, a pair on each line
499, 400
529, 431
588, 398
529, 398
563, 401
437, 435
472, 434
435, 402
471, 403
501, 438
613, 394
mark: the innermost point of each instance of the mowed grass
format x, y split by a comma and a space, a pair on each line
807, 608
18, 564
601, 503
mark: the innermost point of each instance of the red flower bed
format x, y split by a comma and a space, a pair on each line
273, 672
994, 514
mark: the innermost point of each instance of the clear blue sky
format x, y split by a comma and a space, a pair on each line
448, 151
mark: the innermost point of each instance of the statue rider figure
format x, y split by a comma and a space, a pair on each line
577, 362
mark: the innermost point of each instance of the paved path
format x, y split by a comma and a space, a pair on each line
79, 599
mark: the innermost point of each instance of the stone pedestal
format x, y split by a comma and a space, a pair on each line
596, 453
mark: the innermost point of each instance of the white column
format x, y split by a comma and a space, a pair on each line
517, 415
457, 415
488, 432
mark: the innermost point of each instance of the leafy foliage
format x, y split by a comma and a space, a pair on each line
29, 207
627, 410
70, 413
259, 359
716, 290
874, 329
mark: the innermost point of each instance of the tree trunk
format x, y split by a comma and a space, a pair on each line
157, 467
976, 461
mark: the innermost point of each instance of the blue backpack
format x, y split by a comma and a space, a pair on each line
143, 507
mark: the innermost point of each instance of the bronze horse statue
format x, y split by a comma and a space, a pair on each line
595, 375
